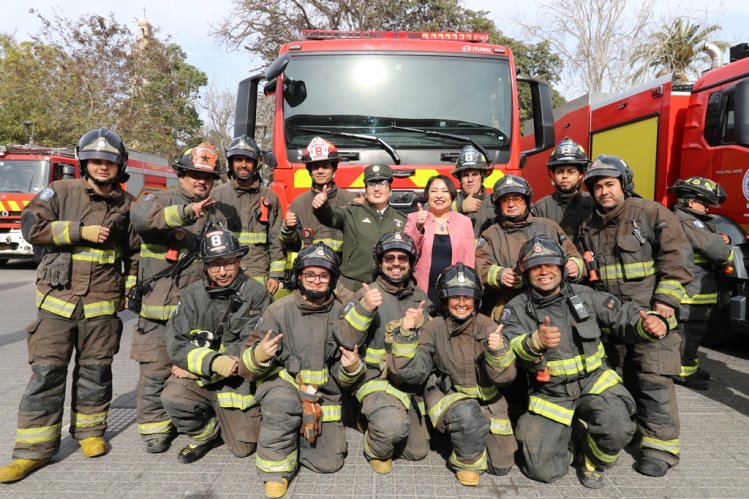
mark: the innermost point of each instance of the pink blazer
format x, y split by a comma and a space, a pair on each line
460, 230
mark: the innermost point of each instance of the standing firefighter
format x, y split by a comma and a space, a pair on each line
301, 227
642, 256
712, 252
395, 422
497, 251
464, 359
581, 401
89, 259
205, 397
253, 212
170, 224
293, 357
471, 169
362, 225
569, 206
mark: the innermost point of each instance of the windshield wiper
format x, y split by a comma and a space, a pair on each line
369, 138
460, 138
501, 136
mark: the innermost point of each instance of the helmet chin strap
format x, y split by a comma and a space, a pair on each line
315, 294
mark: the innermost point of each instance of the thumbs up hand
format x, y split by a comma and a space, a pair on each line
549, 335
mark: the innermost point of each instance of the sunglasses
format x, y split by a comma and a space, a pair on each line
393, 258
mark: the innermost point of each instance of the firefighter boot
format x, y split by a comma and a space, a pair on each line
693, 381
160, 442
589, 475
651, 466
20, 469
276, 489
93, 446
468, 478
192, 453
381, 466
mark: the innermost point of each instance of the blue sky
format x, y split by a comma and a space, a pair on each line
188, 23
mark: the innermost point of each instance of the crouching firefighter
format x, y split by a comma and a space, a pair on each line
394, 411
205, 397
555, 331
299, 369
90, 256
471, 360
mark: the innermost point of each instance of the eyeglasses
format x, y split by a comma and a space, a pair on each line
228, 266
393, 258
378, 183
312, 277
511, 199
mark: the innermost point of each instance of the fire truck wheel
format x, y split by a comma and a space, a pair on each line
3, 261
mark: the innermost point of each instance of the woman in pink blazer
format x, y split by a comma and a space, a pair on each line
443, 237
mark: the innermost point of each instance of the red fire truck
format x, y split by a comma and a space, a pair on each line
26, 170
409, 100
665, 133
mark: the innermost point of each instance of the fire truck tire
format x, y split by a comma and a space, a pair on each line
3, 261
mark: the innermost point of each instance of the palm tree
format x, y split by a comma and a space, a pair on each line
675, 49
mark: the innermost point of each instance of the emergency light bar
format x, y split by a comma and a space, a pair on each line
331, 34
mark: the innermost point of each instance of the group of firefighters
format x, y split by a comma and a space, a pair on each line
527, 351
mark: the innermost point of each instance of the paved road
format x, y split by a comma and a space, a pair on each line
715, 442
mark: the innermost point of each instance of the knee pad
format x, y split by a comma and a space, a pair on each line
466, 416
47, 385
389, 422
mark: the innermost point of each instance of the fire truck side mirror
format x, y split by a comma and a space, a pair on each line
741, 113
543, 114
64, 171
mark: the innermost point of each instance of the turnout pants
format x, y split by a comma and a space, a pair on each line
149, 350
603, 427
480, 433
51, 342
692, 332
393, 429
195, 411
280, 447
647, 370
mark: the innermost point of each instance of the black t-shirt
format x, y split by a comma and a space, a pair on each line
442, 255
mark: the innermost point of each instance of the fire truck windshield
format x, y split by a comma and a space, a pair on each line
385, 94
29, 176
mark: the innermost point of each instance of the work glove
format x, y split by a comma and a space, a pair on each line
90, 233
54, 269
224, 365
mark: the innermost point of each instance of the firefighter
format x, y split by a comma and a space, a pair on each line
570, 205
712, 252
464, 359
497, 251
471, 169
301, 227
362, 225
395, 422
642, 256
171, 224
300, 370
90, 257
253, 212
204, 397
554, 328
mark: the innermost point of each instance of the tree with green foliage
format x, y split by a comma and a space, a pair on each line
75, 75
676, 48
